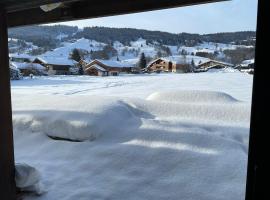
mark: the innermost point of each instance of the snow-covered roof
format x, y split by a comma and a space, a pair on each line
218, 62
97, 67
247, 62
130, 62
111, 63
25, 65
13, 67
57, 60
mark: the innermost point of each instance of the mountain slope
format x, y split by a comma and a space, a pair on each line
36, 34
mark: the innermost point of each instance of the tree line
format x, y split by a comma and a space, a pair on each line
47, 36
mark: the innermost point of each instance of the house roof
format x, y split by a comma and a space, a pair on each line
57, 60
13, 68
130, 62
218, 62
27, 12
110, 63
247, 62
97, 67
25, 65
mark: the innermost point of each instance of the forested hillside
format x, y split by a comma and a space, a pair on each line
49, 36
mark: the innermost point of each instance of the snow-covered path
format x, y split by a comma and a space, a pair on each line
165, 136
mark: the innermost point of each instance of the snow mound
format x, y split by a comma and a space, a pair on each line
78, 120
223, 70
192, 96
28, 179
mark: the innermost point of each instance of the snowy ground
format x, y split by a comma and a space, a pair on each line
166, 136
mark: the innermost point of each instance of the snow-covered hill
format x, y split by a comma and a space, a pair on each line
80, 44
127, 44
131, 52
20, 46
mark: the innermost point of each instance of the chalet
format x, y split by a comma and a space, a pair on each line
177, 64
29, 68
15, 73
213, 64
160, 65
96, 70
133, 63
57, 65
246, 66
106, 68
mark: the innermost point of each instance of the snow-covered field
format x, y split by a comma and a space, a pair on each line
159, 136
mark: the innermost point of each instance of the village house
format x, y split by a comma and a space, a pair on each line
213, 64
246, 66
14, 73
177, 64
106, 68
160, 65
23, 63
133, 63
57, 65
29, 68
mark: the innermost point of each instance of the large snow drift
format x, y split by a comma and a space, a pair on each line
76, 119
193, 96
177, 144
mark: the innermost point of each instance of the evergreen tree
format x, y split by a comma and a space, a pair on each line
81, 71
192, 66
192, 62
110, 51
142, 61
75, 55
183, 52
159, 54
216, 53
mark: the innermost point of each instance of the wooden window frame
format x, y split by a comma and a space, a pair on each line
257, 158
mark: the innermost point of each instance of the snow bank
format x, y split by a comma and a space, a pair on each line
28, 179
223, 70
89, 118
78, 119
204, 107
192, 96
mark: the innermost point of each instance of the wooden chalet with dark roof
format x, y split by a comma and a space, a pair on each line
106, 68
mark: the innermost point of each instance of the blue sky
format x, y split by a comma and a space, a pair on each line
235, 15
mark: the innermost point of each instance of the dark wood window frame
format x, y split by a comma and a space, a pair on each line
12, 14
